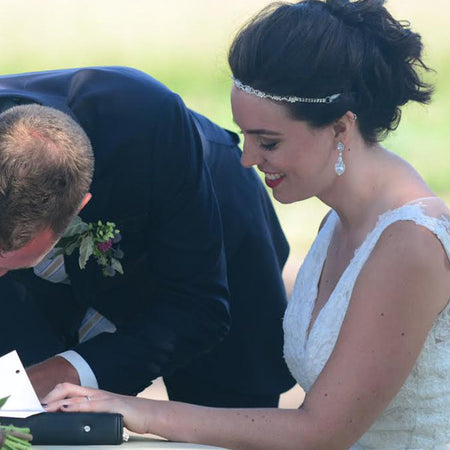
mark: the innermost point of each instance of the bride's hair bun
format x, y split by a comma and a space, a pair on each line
348, 11
372, 18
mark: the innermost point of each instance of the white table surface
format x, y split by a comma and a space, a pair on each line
135, 442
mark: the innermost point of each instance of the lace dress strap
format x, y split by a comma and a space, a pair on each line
430, 213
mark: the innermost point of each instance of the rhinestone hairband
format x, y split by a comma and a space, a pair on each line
290, 99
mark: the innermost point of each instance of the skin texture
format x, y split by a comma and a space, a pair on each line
397, 297
47, 374
29, 255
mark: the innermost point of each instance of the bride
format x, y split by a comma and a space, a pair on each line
317, 85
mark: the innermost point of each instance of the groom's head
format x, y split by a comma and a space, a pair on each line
46, 167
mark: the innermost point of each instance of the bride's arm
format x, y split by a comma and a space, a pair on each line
230, 428
400, 291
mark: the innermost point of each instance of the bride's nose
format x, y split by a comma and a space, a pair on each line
251, 155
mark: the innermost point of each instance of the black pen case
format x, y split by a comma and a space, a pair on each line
60, 428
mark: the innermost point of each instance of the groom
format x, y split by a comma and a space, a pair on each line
200, 242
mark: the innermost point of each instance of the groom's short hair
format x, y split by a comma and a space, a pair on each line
46, 168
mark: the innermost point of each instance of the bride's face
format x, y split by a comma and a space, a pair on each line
296, 159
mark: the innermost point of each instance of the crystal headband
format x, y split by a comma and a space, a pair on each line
291, 99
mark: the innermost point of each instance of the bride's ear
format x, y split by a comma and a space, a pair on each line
344, 126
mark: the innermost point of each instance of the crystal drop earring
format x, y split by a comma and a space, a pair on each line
339, 167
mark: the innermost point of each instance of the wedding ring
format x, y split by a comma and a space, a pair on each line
88, 398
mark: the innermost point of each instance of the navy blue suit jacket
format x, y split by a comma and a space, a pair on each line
199, 234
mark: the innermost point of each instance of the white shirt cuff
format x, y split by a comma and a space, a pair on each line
87, 377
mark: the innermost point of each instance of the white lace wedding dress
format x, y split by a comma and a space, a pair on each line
419, 416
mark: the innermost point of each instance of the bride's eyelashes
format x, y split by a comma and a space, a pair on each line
268, 145
265, 144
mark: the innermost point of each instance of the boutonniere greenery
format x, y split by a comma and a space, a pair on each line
14, 438
95, 239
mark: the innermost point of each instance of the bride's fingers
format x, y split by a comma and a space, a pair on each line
64, 390
81, 404
85, 403
71, 397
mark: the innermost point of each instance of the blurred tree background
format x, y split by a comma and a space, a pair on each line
184, 44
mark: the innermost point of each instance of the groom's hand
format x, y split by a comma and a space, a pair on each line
46, 375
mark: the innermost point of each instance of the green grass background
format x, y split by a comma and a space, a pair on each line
184, 44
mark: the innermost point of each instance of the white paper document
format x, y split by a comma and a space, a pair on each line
14, 382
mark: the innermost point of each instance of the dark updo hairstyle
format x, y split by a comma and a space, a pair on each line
317, 48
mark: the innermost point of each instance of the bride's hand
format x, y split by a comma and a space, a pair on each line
68, 397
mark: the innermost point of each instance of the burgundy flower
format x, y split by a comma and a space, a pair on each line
105, 246
95, 239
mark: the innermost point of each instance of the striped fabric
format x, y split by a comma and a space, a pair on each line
52, 269
93, 324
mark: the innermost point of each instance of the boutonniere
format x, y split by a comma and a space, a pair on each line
14, 438
95, 239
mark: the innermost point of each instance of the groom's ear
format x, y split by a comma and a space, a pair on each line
85, 201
